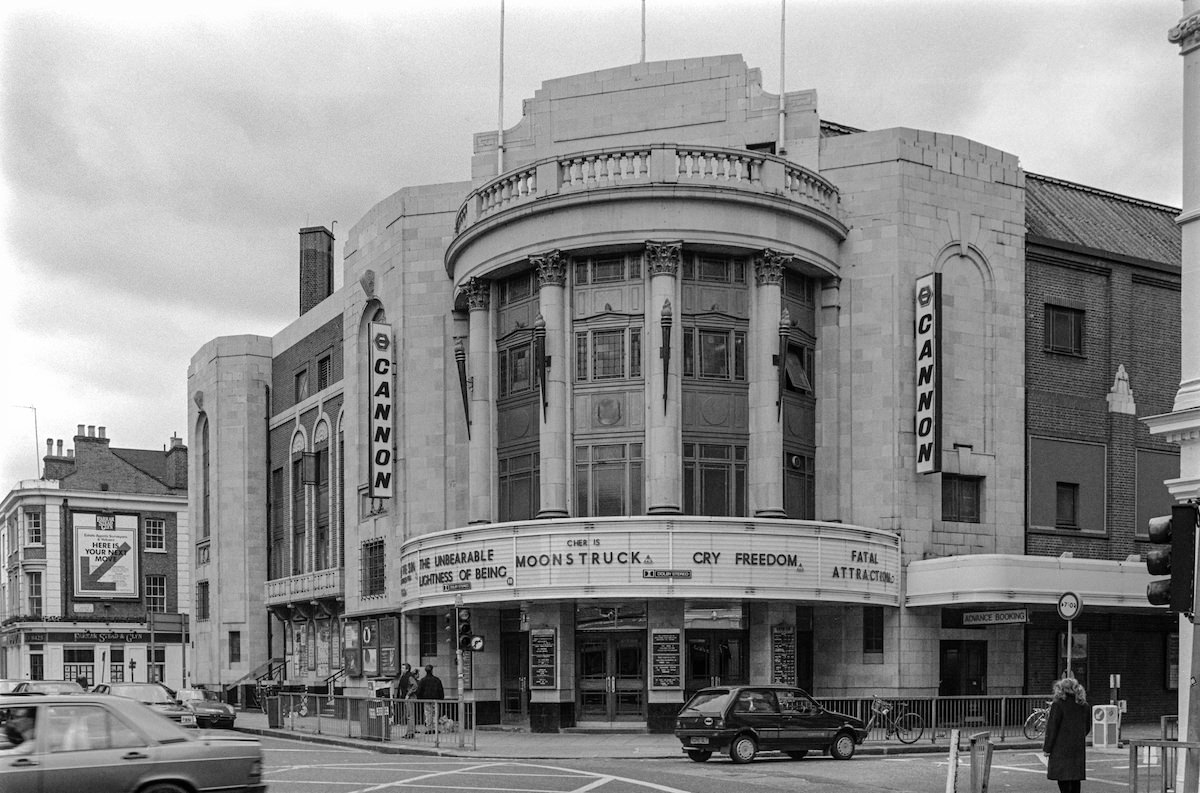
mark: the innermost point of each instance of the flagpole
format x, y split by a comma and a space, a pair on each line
643, 31
500, 122
782, 147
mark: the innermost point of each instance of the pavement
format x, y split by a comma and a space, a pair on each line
506, 742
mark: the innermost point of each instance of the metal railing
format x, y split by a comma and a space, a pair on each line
1154, 766
429, 722
1003, 715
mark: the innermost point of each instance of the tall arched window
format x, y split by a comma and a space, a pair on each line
205, 480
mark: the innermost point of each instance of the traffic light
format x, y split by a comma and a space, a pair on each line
464, 629
451, 636
1175, 534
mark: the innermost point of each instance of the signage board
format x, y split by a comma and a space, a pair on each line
1069, 606
799, 559
1008, 617
381, 404
928, 418
105, 558
666, 665
543, 658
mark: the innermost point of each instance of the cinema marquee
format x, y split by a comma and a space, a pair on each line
928, 419
381, 405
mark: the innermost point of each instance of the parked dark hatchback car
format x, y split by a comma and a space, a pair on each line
106, 744
746, 720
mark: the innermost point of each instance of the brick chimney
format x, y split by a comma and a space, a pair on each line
316, 266
177, 467
55, 465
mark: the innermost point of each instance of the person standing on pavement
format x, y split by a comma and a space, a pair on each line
405, 685
429, 689
1067, 727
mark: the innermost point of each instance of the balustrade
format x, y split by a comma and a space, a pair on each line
664, 163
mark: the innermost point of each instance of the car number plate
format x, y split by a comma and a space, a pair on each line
699, 740
188, 719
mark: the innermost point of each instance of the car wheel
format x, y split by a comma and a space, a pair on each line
743, 749
162, 787
798, 754
700, 756
842, 747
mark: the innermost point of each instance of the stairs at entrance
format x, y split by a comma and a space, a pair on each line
606, 728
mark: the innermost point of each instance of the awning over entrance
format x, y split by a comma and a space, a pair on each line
1010, 579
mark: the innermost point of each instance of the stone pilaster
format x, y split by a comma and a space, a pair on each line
766, 425
554, 438
480, 361
664, 434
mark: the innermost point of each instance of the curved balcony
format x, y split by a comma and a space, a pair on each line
732, 198
306, 587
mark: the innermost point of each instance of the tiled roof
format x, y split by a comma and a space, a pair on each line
147, 461
1091, 218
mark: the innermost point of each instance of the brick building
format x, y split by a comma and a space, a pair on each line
676, 391
98, 565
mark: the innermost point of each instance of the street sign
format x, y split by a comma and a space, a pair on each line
1069, 606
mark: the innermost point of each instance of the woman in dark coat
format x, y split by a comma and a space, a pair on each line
1067, 726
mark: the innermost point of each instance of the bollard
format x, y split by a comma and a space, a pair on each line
952, 764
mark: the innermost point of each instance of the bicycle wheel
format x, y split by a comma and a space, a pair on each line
910, 727
1035, 725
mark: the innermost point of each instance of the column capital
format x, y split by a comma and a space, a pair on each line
478, 293
768, 266
1186, 33
663, 258
551, 268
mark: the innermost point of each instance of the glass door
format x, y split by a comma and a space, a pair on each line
611, 677
715, 658
514, 678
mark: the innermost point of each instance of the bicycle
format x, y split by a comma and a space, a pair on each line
905, 725
1035, 724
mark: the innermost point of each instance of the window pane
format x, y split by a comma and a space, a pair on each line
635, 352
739, 355
714, 490
581, 490
714, 354
609, 452
636, 502
581, 356
689, 355
1065, 514
608, 354
609, 481
714, 270
608, 270
519, 376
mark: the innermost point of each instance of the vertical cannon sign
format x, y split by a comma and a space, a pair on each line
928, 419
106, 555
381, 405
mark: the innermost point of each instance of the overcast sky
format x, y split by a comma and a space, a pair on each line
156, 169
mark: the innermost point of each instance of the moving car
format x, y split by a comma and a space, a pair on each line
156, 696
47, 687
210, 711
105, 744
744, 720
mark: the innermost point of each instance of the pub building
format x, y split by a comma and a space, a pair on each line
688, 386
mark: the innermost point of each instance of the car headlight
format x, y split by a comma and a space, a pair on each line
256, 770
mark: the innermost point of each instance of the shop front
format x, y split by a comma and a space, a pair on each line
614, 622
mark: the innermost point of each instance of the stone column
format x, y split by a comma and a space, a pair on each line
553, 439
479, 391
766, 422
664, 434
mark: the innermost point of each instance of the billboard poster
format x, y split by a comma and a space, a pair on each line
380, 406
351, 652
105, 558
928, 418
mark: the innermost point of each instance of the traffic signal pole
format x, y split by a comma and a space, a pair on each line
1182, 425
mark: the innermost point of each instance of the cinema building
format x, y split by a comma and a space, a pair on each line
680, 390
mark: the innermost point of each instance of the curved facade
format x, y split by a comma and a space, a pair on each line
658, 399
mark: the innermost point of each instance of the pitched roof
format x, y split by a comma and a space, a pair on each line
148, 461
1084, 216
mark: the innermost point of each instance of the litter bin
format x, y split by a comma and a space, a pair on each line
275, 712
1106, 726
376, 724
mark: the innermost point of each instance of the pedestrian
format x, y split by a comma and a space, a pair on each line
403, 687
429, 690
83, 682
1067, 726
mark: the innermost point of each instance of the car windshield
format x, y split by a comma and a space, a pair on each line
54, 686
151, 695
198, 695
708, 702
